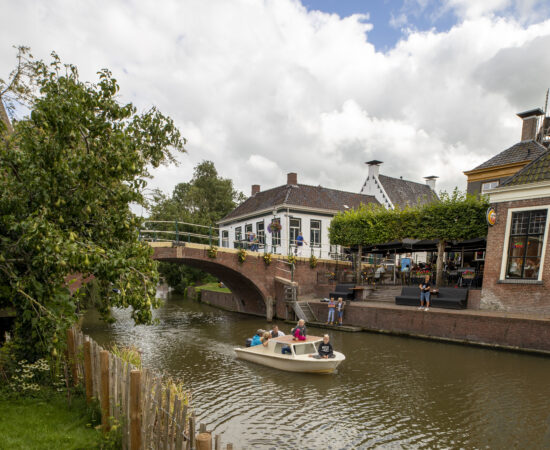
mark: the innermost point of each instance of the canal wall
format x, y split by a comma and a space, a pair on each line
485, 328
223, 300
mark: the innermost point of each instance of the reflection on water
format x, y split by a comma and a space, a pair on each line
390, 391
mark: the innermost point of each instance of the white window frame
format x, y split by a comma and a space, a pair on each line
311, 243
504, 259
484, 190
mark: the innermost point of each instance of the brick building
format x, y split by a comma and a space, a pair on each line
517, 262
495, 171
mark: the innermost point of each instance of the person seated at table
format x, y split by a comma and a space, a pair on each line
325, 349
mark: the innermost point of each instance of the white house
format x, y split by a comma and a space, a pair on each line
298, 208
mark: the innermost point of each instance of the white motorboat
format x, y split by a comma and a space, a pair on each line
300, 358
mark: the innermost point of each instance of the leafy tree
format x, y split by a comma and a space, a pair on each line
204, 200
68, 173
453, 217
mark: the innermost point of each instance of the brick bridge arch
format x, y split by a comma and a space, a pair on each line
259, 287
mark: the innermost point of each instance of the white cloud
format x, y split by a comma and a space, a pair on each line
263, 88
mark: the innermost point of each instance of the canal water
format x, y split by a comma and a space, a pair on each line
390, 392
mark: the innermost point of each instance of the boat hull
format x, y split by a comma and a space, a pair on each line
289, 363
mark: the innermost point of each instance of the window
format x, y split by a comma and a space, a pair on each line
295, 228
247, 229
238, 233
276, 235
315, 233
304, 349
525, 244
260, 233
225, 238
489, 185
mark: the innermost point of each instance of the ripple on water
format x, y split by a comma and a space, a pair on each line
390, 392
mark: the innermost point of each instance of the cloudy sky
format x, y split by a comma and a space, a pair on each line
317, 87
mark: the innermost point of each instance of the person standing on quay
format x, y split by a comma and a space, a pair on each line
299, 244
331, 308
425, 293
340, 309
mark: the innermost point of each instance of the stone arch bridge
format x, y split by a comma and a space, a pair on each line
259, 287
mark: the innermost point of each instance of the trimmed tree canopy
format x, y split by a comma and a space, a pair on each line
453, 217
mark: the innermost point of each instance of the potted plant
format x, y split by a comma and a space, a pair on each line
312, 261
274, 227
213, 252
241, 255
267, 259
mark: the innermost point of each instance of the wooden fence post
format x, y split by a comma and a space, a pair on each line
104, 364
71, 350
204, 441
192, 432
88, 371
135, 410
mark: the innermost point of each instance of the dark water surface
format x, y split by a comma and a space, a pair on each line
391, 392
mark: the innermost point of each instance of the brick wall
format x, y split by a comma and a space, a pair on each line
510, 332
223, 300
524, 298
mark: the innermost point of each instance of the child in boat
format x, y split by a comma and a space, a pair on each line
265, 338
331, 306
300, 332
325, 349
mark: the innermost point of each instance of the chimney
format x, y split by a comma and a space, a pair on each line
374, 167
255, 189
530, 123
292, 178
430, 181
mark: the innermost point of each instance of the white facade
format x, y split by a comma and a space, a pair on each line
313, 225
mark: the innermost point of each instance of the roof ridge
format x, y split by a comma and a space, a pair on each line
332, 189
401, 179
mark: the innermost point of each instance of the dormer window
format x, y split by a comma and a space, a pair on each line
488, 186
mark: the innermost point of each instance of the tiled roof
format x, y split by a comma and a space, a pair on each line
301, 195
522, 151
404, 193
536, 171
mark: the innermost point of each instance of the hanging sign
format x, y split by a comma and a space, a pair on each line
491, 216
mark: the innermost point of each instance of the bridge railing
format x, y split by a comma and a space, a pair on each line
177, 231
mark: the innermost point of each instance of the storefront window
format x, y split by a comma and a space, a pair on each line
525, 245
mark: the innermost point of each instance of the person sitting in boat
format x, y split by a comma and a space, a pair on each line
325, 349
300, 331
265, 338
257, 340
275, 332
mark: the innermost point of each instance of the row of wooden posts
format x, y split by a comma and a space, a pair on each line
148, 413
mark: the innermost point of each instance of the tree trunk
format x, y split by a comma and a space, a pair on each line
440, 261
358, 265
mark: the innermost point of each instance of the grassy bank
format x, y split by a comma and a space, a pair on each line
211, 287
46, 422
